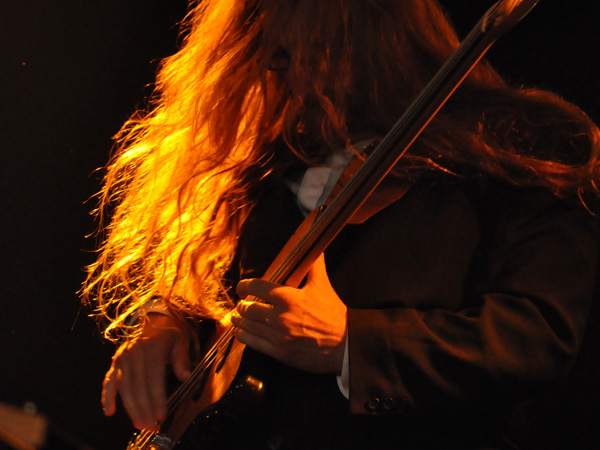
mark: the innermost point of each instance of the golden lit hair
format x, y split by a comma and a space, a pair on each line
226, 116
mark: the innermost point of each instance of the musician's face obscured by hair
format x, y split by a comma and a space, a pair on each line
280, 60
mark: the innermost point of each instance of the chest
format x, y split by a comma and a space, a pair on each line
418, 252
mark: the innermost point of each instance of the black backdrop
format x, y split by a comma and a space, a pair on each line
70, 73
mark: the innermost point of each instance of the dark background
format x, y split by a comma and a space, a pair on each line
71, 72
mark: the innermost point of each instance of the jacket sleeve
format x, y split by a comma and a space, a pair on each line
527, 295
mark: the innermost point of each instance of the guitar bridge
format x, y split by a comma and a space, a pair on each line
160, 442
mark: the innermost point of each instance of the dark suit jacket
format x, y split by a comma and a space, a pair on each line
465, 298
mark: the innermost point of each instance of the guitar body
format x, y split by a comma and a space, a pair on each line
286, 408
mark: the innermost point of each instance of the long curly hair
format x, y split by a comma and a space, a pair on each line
261, 84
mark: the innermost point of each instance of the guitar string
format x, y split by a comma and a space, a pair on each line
200, 370
145, 436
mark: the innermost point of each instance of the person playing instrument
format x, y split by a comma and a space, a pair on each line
459, 290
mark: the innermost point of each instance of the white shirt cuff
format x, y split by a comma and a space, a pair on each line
343, 380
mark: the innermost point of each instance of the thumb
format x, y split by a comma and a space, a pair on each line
318, 272
180, 358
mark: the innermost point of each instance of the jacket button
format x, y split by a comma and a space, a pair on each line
373, 403
389, 404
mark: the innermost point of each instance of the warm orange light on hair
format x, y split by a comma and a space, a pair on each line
184, 174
